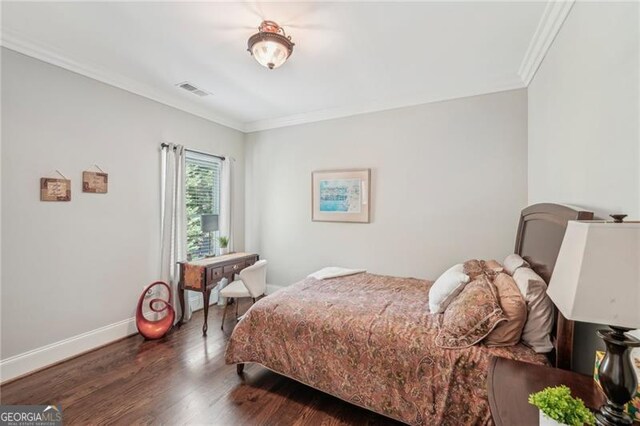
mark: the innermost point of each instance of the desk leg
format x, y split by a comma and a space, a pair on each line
206, 295
181, 299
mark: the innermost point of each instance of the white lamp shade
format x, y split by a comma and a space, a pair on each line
597, 275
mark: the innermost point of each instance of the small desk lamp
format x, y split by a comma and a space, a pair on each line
597, 279
209, 223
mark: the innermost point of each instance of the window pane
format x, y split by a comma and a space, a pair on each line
202, 197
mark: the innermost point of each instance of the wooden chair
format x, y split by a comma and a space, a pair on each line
252, 283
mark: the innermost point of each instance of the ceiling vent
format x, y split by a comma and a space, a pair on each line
192, 88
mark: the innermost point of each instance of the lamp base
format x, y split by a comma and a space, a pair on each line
617, 377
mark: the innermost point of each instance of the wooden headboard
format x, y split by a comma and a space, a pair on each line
540, 233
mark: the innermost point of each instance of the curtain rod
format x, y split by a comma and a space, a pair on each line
166, 145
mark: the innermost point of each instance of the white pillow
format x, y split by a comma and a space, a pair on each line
513, 262
446, 288
537, 330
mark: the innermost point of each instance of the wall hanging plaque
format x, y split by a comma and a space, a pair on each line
94, 182
53, 189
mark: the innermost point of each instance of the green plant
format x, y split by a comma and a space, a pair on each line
224, 241
558, 404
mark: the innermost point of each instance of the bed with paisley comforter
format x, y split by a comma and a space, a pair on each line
369, 340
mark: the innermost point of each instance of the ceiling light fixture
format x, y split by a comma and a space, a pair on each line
270, 46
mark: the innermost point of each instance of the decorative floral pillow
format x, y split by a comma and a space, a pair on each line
471, 316
474, 268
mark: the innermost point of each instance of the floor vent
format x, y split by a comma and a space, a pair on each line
192, 88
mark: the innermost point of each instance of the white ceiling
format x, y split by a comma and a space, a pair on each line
349, 57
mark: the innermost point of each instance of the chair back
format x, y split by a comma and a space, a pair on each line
254, 278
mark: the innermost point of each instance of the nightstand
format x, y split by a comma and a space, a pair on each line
510, 383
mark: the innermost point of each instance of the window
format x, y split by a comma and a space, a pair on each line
202, 197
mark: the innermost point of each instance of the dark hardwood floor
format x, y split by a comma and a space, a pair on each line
181, 379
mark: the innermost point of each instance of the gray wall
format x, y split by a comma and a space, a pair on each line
448, 183
584, 141
69, 268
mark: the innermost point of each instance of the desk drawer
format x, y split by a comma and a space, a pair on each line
214, 275
236, 267
250, 261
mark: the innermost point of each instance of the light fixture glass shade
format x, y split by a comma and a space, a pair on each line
597, 275
270, 46
270, 53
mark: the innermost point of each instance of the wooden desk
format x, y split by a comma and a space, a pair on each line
509, 384
211, 270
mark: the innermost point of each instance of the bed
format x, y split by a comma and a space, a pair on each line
369, 339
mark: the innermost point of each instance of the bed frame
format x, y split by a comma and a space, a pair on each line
540, 233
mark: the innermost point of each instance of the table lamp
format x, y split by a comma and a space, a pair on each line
597, 279
209, 223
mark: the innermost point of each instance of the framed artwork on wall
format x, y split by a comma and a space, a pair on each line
341, 195
96, 183
53, 189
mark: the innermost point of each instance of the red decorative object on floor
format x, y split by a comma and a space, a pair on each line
155, 329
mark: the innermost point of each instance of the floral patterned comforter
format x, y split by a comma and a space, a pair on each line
369, 340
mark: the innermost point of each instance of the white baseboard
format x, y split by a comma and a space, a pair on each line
39, 358
197, 303
272, 288
36, 359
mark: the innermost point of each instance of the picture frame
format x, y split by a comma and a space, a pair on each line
341, 195
54, 189
95, 182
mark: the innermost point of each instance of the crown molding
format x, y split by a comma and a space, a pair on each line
375, 106
554, 15
15, 41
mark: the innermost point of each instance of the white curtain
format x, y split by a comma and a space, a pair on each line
226, 191
174, 221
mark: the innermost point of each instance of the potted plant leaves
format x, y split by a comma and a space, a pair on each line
558, 407
224, 244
